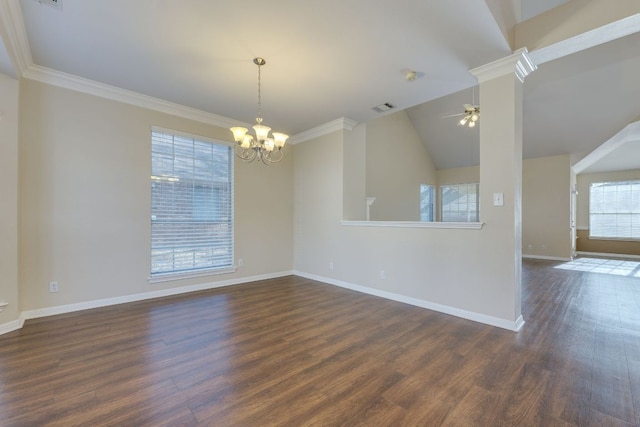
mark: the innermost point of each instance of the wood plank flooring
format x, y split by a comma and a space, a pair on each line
294, 352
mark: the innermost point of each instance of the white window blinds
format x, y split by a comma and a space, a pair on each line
459, 203
191, 204
614, 210
427, 202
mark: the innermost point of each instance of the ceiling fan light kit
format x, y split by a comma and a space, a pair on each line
470, 116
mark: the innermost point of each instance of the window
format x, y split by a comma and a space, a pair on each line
191, 205
427, 202
614, 210
460, 203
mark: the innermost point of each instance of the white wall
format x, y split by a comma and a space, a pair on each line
397, 162
546, 207
466, 175
9, 285
85, 200
355, 173
445, 269
546, 214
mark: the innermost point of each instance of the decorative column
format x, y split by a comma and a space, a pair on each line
501, 120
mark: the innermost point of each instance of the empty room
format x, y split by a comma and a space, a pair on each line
360, 213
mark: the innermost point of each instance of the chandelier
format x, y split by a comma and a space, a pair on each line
261, 146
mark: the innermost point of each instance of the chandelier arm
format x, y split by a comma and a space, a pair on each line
275, 158
247, 154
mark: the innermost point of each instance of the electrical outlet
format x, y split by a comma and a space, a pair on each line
331, 265
240, 262
53, 287
383, 275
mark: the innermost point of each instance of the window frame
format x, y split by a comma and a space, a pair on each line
633, 213
228, 267
432, 190
477, 201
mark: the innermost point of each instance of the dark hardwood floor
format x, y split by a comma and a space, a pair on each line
293, 352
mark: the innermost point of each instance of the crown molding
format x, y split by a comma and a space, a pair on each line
609, 32
342, 123
518, 63
91, 87
79, 84
629, 133
14, 35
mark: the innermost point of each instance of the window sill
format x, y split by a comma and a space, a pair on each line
168, 277
615, 239
416, 224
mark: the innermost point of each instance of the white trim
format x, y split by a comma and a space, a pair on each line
604, 254
518, 63
469, 315
79, 84
549, 258
613, 239
191, 136
14, 35
170, 277
325, 129
519, 323
416, 224
629, 133
3, 305
588, 39
91, 87
14, 325
69, 308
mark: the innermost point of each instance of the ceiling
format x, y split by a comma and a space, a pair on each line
331, 59
5, 62
571, 106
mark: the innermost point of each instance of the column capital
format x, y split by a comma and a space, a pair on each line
518, 63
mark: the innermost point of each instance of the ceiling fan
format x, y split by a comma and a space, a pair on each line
470, 116
471, 113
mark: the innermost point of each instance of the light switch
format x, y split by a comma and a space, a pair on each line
498, 199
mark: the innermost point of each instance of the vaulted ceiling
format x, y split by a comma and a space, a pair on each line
330, 59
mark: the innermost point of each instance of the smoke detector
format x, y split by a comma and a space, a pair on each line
53, 3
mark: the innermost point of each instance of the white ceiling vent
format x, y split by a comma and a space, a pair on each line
53, 3
383, 107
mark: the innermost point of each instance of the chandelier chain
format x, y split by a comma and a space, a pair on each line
259, 92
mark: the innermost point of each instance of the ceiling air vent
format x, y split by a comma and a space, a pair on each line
53, 3
383, 107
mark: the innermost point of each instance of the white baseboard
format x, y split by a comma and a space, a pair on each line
69, 308
544, 257
14, 325
604, 255
469, 315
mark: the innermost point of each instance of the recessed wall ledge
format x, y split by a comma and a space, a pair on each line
416, 224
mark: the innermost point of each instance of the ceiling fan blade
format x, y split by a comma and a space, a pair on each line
453, 115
